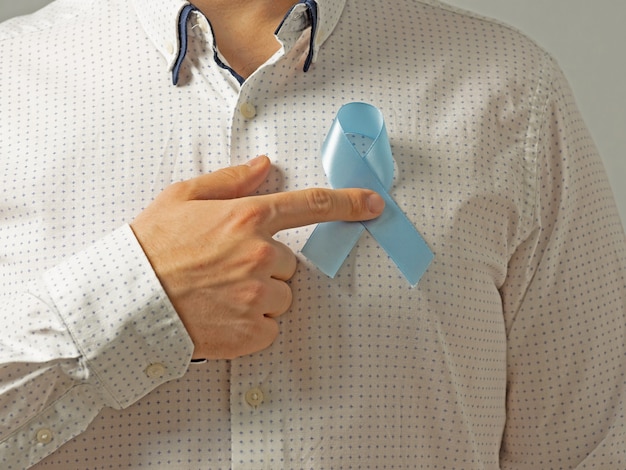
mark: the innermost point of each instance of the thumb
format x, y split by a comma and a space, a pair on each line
231, 182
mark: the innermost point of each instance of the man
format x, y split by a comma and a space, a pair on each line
128, 249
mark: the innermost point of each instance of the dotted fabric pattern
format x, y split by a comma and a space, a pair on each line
511, 351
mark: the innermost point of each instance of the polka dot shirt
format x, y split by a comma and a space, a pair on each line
511, 351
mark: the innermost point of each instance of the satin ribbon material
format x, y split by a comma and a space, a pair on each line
357, 127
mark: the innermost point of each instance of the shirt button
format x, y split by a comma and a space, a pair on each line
155, 371
247, 110
44, 436
169, 48
254, 397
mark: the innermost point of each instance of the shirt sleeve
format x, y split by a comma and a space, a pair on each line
97, 330
565, 302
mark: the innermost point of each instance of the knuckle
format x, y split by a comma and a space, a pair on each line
320, 201
287, 299
231, 177
178, 190
252, 214
357, 206
281, 303
257, 290
253, 294
271, 332
261, 254
293, 266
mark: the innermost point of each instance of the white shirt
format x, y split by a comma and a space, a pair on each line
511, 351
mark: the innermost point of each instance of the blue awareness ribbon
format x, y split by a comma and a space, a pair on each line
357, 154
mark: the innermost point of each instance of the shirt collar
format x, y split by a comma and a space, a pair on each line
159, 19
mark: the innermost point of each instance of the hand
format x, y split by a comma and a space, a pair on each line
211, 245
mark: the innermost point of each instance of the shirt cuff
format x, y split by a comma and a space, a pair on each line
129, 335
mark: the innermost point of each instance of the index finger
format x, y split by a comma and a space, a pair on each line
310, 206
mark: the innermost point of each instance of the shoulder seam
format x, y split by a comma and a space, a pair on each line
537, 121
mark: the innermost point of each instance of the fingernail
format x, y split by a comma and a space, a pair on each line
375, 203
256, 161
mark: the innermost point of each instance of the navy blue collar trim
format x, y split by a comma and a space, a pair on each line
219, 61
182, 40
312, 9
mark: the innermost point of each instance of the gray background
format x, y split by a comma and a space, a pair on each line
586, 36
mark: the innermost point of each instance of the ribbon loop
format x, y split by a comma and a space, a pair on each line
357, 154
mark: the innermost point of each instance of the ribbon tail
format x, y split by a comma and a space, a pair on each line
402, 242
330, 244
